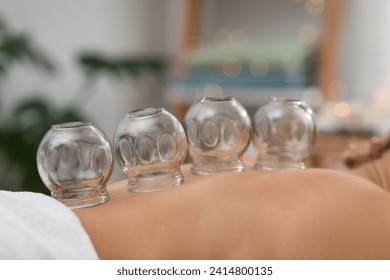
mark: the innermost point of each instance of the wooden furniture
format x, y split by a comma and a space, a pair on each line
329, 146
189, 41
329, 149
329, 46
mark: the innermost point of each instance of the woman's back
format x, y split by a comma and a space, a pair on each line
306, 214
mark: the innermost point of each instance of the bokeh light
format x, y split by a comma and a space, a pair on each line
212, 90
314, 7
317, 1
308, 34
341, 110
238, 38
221, 37
259, 67
231, 67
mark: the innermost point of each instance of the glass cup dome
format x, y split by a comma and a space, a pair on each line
150, 146
218, 133
284, 134
75, 161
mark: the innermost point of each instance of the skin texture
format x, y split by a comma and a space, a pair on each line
301, 214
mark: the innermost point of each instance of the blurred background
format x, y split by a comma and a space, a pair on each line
96, 60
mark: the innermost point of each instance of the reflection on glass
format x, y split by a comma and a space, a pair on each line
150, 145
284, 134
218, 132
75, 162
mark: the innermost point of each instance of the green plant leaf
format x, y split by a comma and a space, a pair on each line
95, 64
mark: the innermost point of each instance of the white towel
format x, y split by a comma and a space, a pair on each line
36, 226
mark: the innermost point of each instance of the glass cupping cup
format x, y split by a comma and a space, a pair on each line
150, 145
218, 132
284, 134
75, 161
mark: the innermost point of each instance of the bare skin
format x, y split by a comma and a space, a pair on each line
305, 214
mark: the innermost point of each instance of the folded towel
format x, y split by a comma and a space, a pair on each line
36, 226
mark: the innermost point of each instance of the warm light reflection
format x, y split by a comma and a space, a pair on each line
317, 1
314, 8
221, 37
231, 67
341, 110
259, 67
308, 34
212, 90
238, 38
